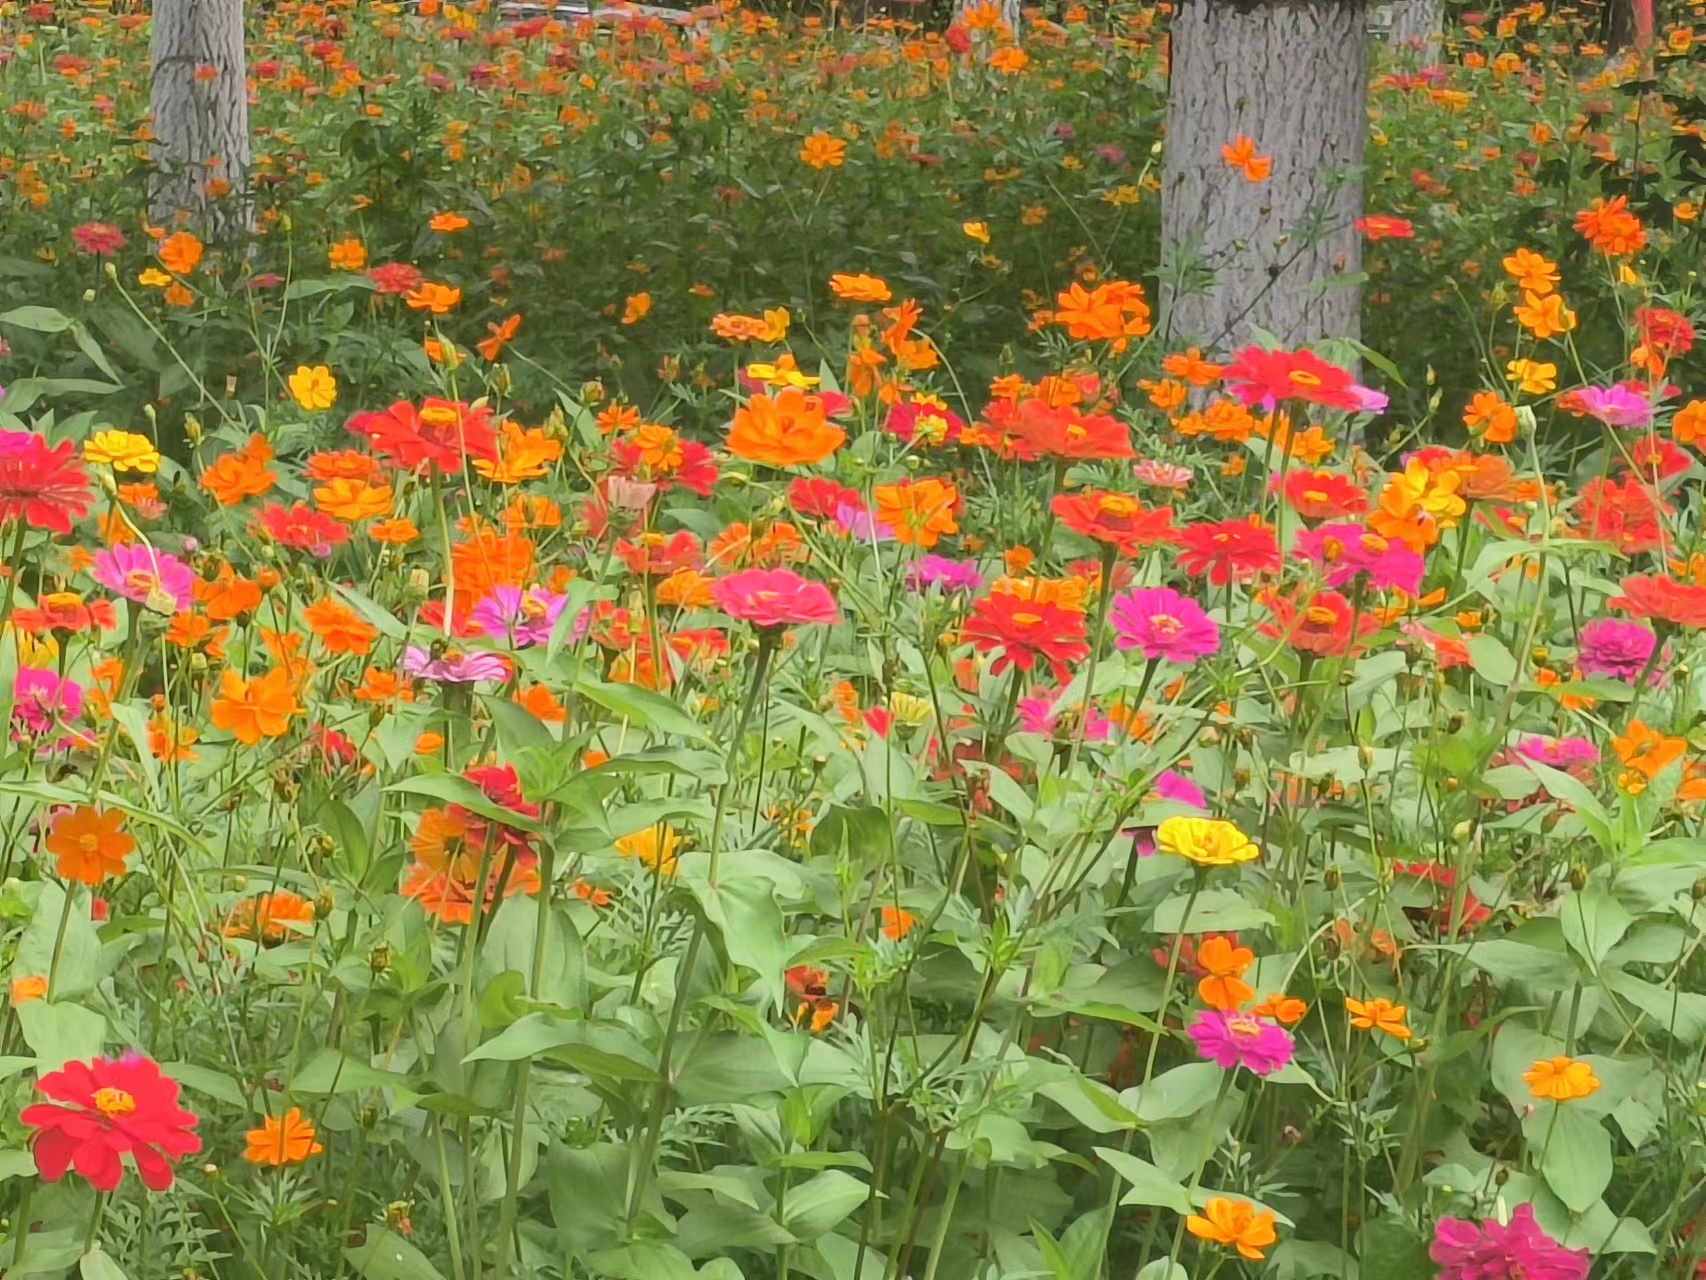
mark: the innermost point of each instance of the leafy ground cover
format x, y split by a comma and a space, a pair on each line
668, 678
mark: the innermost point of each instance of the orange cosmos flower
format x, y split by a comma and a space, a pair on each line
447, 223
1532, 272
340, 628
497, 335
1609, 227
244, 474
271, 917
1560, 1079
787, 430
282, 1140
522, 455
179, 253
170, 742
1644, 753
1234, 1224
1287, 1010
1114, 312
636, 307
89, 845
541, 703
398, 532
919, 511
439, 299
257, 707
347, 255
820, 151
353, 501
1491, 417
1689, 425
1225, 963
860, 288
1545, 315
897, 923
1379, 1014
1240, 154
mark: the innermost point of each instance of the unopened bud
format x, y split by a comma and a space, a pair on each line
1698, 890
1332, 877
1463, 830
1578, 877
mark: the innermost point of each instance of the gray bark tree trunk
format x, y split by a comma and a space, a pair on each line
1278, 254
200, 104
1413, 28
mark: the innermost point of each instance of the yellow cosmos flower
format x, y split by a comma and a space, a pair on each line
1208, 842
154, 278
655, 847
314, 388
122, 451
1533, 377
1560, 1079
978, 231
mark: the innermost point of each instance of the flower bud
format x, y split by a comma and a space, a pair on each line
1578, 877
1332, 877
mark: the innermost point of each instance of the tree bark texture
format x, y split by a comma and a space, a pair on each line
200, 102
1412, 28
1278, 254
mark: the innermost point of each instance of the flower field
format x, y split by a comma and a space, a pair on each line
667, 676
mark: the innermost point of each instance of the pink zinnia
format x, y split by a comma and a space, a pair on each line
1161, 623
1241, 1040
1615, 406
40, 698
1346, 550
137, 572
1615, 648
1487, 1251
773, 598
1164, 475
1560, 753
454, 668
98, 239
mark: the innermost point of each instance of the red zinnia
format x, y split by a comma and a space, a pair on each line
440, 432
1378, 226
395, 278
1323, 495
44, 487
1229, 550
302, 528
1115, 520
98, 239
1623, 512
1318, 623
1068, 434
1661, 599
1025, 630
653, 553
1667, 332
1266, 378
773, 598
107, 1107
821, 498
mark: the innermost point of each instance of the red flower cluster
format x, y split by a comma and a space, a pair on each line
103, 1109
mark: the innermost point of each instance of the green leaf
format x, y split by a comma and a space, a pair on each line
1491, 660
1215, 911
97, 1264
1680, 1014
750, 923
1175, 1094
715, 1229
387, 1256
1148, 1184
452, 789
1593, 923
204, 1080
1574, 1152
36, 319
643, 708
1518, 961
88, 346
643, 1260
17, 1164
1561, 786
818, 1206
329, 1072
79, 951
61, 1032
382, 620
1082, 1244
510, 945
603, 1051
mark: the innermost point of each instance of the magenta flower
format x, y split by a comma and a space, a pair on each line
1345, 550
858, 522
1040, 714
1163, 624
771, 598
1617, 648
1175, 786
951, 575
1241, 1040
522, 617
1487, 1251
138, 572
1560, 753
40, 699
1616, 406
453, 667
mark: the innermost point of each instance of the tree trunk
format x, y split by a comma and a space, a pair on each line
1276, 254
1413, 27
200, 104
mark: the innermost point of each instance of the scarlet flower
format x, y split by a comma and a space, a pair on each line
301, 528
44, 487
820, 498
1228, 550
1043, 431
97, 239
1380, 227
104, 1108
1318, 623
441, 433
1115, 520
1623, 511
1323, 495
1662, 599
660, 555
395, 278
66, 612
1025, 631
1267, 378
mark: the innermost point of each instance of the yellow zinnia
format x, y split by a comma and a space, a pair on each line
122, 451
1208, 842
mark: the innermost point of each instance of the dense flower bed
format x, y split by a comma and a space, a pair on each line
862, 803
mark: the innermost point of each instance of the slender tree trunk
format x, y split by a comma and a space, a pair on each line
1280, 254
1413, 27
200, 104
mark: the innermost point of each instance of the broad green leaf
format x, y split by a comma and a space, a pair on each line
1678, 1013
1302, 1259
78, 950
382, 620
388, 1256
1593, 922
1215, 911
603, 1051
97, 1264
1148, 1184
1562, 786
329, 1072
1491, 660
1574, 1152
729, 1067
1083, 1241
1518, 962
61, 1032
452, 789
37, 319
749, 921
511, 945
204, 1080
587, 1186
643, 1260
820, 1205
712, 1230
1175, 1094
643, 708
17, 1164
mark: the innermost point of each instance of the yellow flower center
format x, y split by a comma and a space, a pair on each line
89, 843
114, 1102
1165, 625
1302, 378
1244, 1026
1027, 619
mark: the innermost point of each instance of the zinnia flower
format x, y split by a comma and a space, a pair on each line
1346, 551
1161, 623
104, 1108
1466, 1250
453, 667
1208, 842
1026, 630
523, 617
1615, 406
1267, 378
1615, 648
951, 575
1232, 1040
44, 487
138, 572
773, 598
40, 698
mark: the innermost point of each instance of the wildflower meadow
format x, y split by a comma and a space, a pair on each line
641, 653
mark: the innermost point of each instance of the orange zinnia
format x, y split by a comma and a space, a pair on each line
282, 1140
340, 628
256, 708
787, 430
179, 253
89, 845
919, 511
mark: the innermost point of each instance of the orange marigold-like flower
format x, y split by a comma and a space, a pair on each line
820, 151
353, 501
1560, 1079
89, 844
271, 917
282, 1140
919, 511
1234, 1224
179, 253
1610, 227
788, 430
860, 288
340, 628
439, 299
257, 707
244, 474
